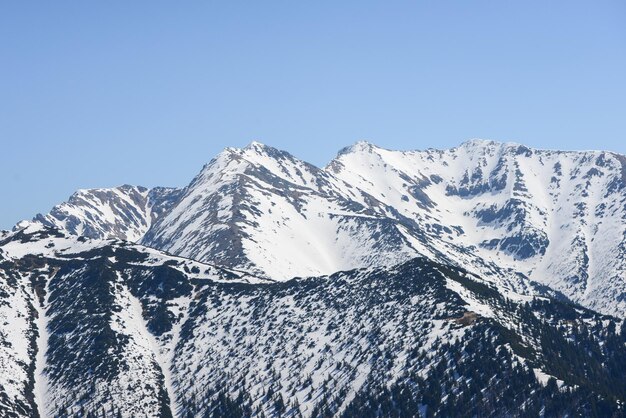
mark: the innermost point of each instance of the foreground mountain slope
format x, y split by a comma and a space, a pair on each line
128, 330
80, 320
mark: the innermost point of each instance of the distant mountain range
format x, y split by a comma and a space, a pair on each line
487, 279
500, 210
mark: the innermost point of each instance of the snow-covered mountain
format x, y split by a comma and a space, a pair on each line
511, 214
124, 212
110, 328
557, 217
427, 283
263, 210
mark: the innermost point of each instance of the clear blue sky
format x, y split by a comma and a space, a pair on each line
97, 94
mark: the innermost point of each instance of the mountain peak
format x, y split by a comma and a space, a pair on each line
253, 146
480, 143
255, 149
256, 145
358, 146
363, 145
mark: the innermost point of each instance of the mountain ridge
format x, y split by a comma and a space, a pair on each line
372, 206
